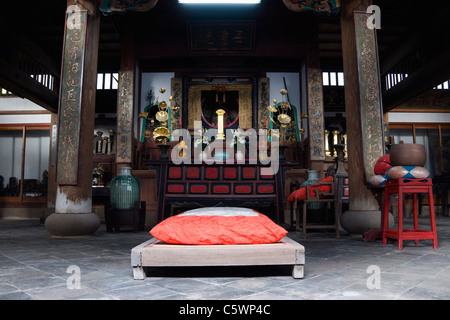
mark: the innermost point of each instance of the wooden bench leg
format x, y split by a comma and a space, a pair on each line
298, 271
139, 273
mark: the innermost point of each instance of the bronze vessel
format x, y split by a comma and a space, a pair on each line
408, 154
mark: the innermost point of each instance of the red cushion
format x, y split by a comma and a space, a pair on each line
382, 164
218, 225
300, 194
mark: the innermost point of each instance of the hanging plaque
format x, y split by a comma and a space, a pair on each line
370, 95
70, 96
315, 115
125, 117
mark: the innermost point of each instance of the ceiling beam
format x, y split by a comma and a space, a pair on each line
428, 76
22, 85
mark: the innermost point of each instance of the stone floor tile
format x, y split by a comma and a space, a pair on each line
33, 265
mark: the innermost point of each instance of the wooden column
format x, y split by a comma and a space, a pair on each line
73, 206
363, 114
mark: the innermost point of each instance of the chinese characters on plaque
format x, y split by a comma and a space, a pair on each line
70, 96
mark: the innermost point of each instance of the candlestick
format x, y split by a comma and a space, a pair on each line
335, 137
327, 144
220, 134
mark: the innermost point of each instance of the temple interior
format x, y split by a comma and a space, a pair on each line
246, 150
199, 100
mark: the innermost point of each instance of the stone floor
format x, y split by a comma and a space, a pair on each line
35, 265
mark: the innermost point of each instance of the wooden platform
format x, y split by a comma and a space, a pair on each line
154, 253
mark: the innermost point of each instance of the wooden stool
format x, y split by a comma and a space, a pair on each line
414, 186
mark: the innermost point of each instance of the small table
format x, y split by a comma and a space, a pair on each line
414, 186
125, 218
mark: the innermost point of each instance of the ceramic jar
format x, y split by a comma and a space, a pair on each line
124, 190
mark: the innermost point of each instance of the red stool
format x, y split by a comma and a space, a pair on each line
414, 186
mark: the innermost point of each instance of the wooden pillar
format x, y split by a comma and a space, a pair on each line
125, 102
363, 114
73, 205
314, 88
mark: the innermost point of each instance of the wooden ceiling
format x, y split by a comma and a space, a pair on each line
161, 35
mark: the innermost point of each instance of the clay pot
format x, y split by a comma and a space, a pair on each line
408, 154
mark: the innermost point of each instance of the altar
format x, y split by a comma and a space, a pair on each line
185, 186
222, 146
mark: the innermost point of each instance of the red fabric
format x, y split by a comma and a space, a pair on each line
232, 227
382, 165
300, 194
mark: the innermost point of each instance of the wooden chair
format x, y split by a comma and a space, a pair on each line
337, 194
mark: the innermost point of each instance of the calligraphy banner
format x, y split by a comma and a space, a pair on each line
125, 117
315, 115
70, 96
370, 94
176, 85
263, 102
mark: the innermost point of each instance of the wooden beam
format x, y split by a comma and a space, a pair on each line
431, 74
24, 86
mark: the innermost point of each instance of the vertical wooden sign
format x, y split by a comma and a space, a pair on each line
370, 94
70, 96
315, 115
125, 117
176, 85
263, 102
